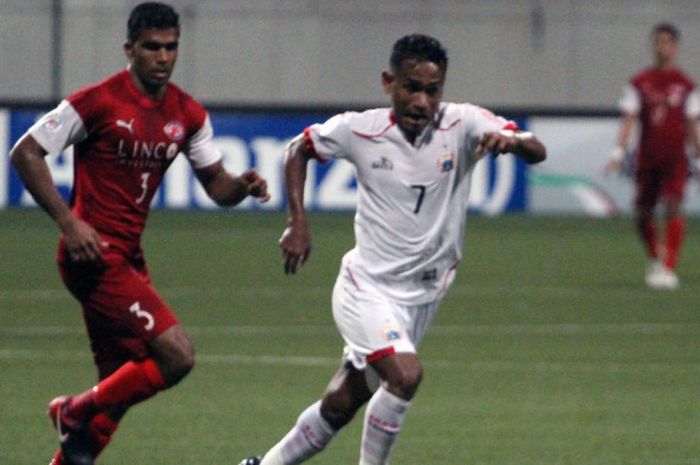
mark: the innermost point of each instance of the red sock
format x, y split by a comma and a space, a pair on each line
102, 428
647, 232
57, 458
129, 385
675, 230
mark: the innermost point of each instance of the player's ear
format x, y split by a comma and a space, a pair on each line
128, 49
388, 80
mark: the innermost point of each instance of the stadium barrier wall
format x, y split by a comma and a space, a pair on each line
569, 182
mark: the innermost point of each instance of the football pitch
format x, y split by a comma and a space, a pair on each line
548, 350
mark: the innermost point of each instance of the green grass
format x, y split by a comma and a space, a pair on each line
548, 350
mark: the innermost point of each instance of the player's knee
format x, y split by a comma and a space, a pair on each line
182, 362
405, 382
173, 351
175, 360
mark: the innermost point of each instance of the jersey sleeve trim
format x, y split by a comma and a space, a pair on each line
630, 102
692, 105
309, 143
511, 126
202, 150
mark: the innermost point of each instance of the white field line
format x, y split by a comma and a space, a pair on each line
40, 295
209, 359
567, 329
276, 291
641, 368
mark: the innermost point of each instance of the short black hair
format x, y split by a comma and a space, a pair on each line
418, 47
667, 28
151, 15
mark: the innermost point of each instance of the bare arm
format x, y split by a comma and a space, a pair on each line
226, 189
694, 139
82, 241
529, 148
296, 239
629, 122
617, 156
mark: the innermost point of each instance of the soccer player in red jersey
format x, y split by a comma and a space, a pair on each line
664, 102
126, 131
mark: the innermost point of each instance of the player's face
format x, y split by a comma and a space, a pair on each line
416, 92
152, 57
665, 48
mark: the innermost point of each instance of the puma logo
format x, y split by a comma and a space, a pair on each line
128, 126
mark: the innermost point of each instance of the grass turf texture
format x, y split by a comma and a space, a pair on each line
548, 349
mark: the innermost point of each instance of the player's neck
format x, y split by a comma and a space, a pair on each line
156, 93
665, 65
410, 137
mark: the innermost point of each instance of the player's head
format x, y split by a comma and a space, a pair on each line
153, 30
665, 38
151, 15
415, 81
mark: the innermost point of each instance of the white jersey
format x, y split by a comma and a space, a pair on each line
411, 210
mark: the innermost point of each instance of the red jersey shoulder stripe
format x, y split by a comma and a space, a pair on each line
392, 122
310, 145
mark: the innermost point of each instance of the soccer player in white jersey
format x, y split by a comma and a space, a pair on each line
414, 163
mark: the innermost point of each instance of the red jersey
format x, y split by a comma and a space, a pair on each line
124, 141
663, 100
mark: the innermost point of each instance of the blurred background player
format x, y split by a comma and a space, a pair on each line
663, 101
413, 163
126, 131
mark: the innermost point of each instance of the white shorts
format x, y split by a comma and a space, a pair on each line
374, 326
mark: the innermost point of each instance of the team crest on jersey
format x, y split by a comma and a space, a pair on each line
391, 332
52, 123
446, 162
174, 130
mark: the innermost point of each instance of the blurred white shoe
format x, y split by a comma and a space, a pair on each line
659, 276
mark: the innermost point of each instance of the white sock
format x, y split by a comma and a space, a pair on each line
383, 418
309, 436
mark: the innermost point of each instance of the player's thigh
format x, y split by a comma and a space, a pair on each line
648, 183
418, 319
122, 311
372, 326
173, 347
673, 189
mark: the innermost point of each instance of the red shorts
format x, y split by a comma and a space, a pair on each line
122, 310
655, 183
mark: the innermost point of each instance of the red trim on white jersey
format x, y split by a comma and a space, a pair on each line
310, 145
510, 125
392, 122
380, 354
443, 288
374, 136
352, 278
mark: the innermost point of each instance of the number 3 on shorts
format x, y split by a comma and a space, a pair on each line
140, 313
